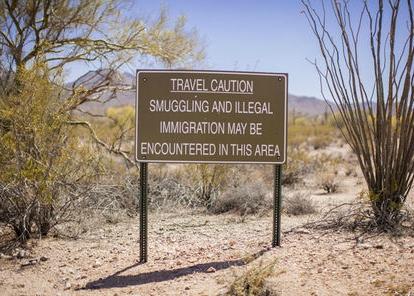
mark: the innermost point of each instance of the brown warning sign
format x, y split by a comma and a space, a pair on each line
211, 117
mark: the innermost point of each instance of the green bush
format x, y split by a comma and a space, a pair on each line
43, 169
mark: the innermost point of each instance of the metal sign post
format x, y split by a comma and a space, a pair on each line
143, 217
277, 205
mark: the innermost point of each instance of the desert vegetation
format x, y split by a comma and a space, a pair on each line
377, 118
69, 183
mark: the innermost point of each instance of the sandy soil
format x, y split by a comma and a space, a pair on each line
192, 253
198, 254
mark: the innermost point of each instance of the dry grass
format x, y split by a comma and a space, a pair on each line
253, 282
328, 181
298, 165
245, 199
299, 203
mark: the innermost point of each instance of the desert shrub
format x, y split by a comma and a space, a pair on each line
119, 129
320, 141
207, 179
311, 132
377, 124
253, 282
297, 166
349, 169
172, 193
113, 194
245, 199
299, 203
328, 182
43, 169
336, 120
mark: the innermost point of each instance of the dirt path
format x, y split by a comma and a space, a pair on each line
196, 254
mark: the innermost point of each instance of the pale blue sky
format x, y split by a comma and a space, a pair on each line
243, 35
251, 35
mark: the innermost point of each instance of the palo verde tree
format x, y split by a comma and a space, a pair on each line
42, 162
367, 70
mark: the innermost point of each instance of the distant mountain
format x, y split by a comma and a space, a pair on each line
121, 98
310, 106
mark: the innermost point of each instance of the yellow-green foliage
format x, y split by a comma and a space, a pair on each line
31, 127
252, 283
122, 116
116, 128
39, 157
310, 131
208, 178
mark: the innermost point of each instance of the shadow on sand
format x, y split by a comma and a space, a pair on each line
117, 280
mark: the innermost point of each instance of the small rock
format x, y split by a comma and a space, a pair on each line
71, 271
68, 286
345, 267
360, 240
43, 258
302, 231
365, 246
320, 270
211, 269
4, 256
97, 264
21, 254
24, 264
187, 288
379, 246
29, 263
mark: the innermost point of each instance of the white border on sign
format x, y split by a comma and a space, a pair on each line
285, 75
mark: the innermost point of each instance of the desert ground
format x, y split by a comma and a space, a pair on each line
193, 252
196, 254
